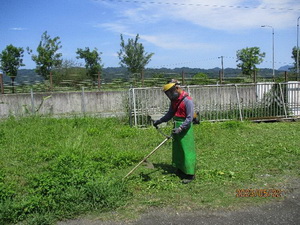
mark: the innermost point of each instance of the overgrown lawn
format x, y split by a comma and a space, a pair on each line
53, 169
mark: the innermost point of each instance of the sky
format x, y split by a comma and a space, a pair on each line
180, 33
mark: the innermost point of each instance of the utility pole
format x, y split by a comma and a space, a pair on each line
273, 51
222, 65
297, 63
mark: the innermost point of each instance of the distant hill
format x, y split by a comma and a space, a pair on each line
285, 68
111, 73
25, 76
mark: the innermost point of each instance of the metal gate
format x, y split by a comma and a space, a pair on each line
221, 102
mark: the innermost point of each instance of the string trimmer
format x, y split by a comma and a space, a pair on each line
154, 150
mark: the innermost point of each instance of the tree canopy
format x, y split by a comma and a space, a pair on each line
11, 60
47, 58
248, 58
92, 60
133, 56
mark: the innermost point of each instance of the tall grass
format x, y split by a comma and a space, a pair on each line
230, 156
58, 168
52, 169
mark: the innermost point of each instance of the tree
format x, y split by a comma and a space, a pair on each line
10, 61
249, 58
133, 56
92, 60
202, 76
47, 57
294, 56
199, 78
69, 70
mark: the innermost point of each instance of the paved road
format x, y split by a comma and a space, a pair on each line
286, 212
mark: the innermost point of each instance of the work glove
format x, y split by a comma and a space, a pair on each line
156, 123
176, 130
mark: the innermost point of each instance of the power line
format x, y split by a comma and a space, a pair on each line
200, 5
266, 61
214, 58
188, 62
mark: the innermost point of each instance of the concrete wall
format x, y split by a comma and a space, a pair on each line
108, 103
144, 101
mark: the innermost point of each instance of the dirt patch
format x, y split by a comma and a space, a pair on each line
276, 212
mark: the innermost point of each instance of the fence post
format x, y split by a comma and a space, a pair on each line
13, 83
254, 76
283, 102
51, 82
83, 101
1, 83
32, 101
188, 90
99, 80
286, 76
238, 99
130, 107
142, 75
134, 107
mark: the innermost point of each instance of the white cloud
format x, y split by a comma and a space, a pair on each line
18, 28
114, 27
165, 41
235, 15
141, 15
214, 14
171, 42
229, 16
113, 54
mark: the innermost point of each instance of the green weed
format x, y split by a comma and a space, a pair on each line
59, 168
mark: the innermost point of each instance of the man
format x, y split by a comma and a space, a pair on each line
183, 146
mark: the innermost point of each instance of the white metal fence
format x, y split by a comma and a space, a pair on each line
222, 102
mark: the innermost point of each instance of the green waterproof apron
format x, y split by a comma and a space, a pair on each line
183, 149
